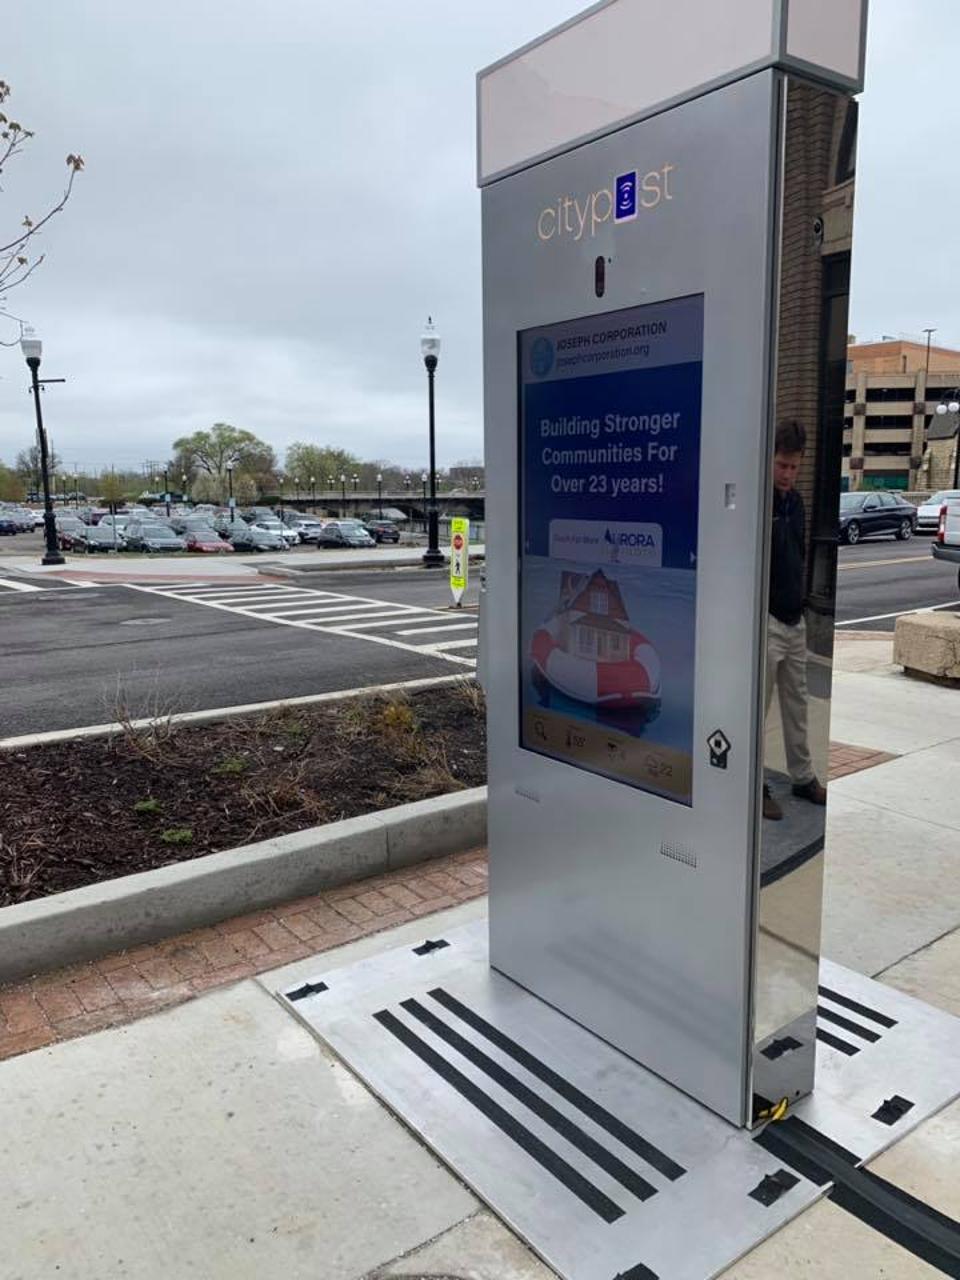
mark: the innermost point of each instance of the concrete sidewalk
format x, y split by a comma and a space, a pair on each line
218, 1139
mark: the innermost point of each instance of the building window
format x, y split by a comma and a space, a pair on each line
599, 603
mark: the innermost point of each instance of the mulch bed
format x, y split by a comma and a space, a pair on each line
81, 812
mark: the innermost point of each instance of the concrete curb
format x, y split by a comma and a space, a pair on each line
83, 924
358, 566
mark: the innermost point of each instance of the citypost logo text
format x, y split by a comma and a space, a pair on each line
574, 217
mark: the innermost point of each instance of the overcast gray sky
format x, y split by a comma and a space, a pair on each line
275, 198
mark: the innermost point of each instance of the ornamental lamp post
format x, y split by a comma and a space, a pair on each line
380, 493
430, 350
343, 495
423, 486
356, 480
945, 407
32, 349
230, 504
166, 491
183, 487
313, 493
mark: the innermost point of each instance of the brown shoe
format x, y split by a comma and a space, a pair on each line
771, 809
812, 791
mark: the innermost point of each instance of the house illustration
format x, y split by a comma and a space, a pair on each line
593, 620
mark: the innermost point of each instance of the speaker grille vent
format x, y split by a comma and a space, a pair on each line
678, 852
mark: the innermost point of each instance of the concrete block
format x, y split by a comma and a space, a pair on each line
131, 910
432, 828
928, 645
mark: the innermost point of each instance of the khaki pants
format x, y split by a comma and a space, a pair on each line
787, 672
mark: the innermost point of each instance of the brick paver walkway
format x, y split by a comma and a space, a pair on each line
129, 984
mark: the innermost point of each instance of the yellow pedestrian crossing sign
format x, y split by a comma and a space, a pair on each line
459, 556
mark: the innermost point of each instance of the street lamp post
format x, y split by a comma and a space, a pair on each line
32, 349
166, 490
423, 486
230, 503
313, 494
63, 492
380, 493
953, 406
183, 487
356, 480
296, 485
430, 350
343, 495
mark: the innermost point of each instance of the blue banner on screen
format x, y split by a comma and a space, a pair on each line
610, 431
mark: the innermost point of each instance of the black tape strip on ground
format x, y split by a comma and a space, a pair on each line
909, 1222
639, 1272
836, 1043
565, 1173
639, 1145
592, 1149
855, 1007
848, 1024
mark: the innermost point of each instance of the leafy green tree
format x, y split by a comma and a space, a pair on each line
321, 462
18, 260
111, 488
208, 454
11, 486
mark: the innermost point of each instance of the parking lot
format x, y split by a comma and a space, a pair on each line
74, 656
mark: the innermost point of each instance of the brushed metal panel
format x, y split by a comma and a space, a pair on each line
650, 953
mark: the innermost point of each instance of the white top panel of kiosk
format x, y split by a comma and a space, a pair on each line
623, 59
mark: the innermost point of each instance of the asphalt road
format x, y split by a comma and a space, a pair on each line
880, 579
71, 656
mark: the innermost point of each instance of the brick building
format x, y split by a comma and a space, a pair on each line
891, 400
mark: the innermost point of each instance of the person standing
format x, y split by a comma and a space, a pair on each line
786, 624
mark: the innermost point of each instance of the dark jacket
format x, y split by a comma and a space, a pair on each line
787, 576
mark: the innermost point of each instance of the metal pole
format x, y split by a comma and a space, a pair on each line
52, 555
343, 496
166, 490
380, 495
432, 557
230, 483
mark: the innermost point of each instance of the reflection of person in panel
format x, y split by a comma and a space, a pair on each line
786, 626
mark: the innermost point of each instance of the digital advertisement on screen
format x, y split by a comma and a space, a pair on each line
610, 453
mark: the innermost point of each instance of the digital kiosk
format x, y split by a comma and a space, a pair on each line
667, 199
666, 247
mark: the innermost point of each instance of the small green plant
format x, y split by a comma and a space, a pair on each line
177, 835
397, 717
230, 765
150, 805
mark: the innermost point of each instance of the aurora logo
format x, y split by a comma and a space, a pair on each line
632, 193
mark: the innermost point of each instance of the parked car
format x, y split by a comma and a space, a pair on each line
272, 525
946, 545
382, 530
864, 514
928, 513
247, 537
206, 541
305, 527
70, 533
142, 535
8, 526
344, 533
97, 537
225, 526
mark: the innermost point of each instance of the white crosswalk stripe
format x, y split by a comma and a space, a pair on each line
385, 622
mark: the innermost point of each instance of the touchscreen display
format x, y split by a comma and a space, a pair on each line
610, 464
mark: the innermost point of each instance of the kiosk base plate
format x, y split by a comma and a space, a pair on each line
607, 1171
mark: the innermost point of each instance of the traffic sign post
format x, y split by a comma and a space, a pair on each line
459, 557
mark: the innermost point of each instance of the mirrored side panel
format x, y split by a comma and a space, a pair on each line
817, 190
